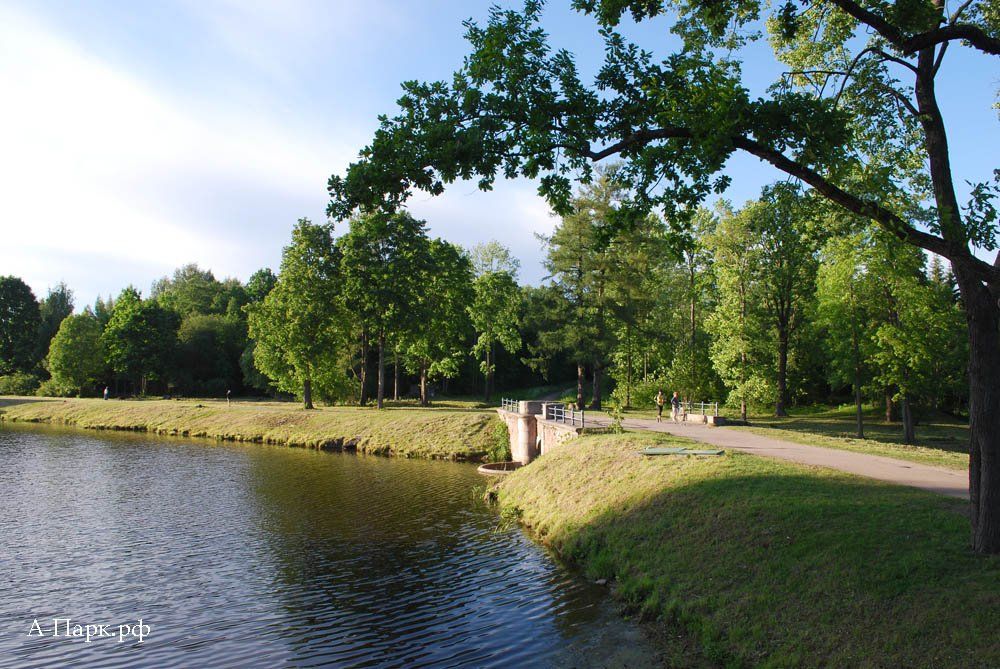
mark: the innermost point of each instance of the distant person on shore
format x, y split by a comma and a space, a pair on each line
660, 401
675, 407
229, 394
107, 392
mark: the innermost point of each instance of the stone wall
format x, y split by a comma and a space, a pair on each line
551, 435
704, 419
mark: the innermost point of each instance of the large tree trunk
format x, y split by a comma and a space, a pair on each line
381, 370
909, 435
595, 403
982, 312
579, 385
983, 318
307, 394
858, 409
890, 408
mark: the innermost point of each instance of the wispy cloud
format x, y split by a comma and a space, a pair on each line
92, 153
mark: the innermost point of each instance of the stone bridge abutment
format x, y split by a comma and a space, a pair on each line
530, 434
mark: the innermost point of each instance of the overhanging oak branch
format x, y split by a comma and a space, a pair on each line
957, 253
970, 33
964, 31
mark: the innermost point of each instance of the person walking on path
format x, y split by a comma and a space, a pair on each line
660, 401
675, 407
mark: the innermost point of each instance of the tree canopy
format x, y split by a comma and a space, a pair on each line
140, 339
76, 356
19, 322
301, 320
56, 306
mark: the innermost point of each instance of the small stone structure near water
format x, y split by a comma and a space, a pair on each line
531, 435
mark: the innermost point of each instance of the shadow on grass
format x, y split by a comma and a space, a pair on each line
798, 570
9, 401
945, 436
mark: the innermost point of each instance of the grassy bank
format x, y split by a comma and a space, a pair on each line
446, 433
745, 561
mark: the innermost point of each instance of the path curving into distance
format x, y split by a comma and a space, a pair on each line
950, 482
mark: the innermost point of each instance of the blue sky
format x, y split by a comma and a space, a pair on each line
141, 136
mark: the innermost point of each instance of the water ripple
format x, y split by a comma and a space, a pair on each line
258, 556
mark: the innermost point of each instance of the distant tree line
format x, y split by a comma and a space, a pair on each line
189, 336
764, 307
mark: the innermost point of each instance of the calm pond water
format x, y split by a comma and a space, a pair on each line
238, 556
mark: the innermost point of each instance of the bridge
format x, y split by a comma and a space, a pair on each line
536, 426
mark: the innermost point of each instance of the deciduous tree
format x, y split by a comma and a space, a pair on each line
843, 311
76, 355
434, 347
495, 314
383, 267
19, 321
56, 306
300, 327
140, 339
739, 324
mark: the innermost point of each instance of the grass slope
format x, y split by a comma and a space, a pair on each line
746, 561
431, 433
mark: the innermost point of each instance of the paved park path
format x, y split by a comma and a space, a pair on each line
951, 482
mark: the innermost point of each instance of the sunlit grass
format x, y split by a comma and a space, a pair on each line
747, 561
452, 432
940, 440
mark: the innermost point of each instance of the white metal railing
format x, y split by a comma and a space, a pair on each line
559, 412
702, 408
508, 404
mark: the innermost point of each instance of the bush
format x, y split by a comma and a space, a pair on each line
18, 383
53, 388
617, 415
643, 393
499, 450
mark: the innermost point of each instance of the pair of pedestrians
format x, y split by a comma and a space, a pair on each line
675, 406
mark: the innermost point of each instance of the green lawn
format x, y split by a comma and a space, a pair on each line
747, 561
